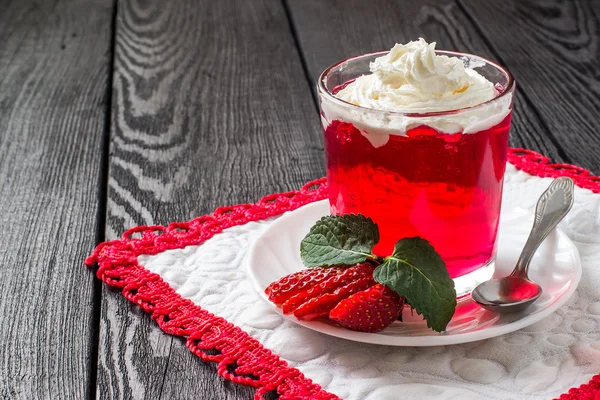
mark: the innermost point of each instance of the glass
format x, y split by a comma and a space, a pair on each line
412, 178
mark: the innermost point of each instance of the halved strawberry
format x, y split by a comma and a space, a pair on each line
370, 310
348, 275
321, 305
290, 285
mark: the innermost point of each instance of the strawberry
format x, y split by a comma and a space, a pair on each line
370, 310
321, 305
280, 291
346, 276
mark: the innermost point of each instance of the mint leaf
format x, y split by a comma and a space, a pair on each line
416, 271
339, 239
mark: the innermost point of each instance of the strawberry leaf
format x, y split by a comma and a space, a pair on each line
417, 272
339, 239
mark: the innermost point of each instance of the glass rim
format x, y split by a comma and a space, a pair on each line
322, 89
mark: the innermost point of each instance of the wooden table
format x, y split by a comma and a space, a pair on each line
115, 114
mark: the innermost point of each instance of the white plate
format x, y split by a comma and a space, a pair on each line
556, 267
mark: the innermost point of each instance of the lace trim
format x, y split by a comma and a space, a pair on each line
239, 357
589, 391
536, 164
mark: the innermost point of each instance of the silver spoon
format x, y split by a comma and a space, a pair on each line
515, 292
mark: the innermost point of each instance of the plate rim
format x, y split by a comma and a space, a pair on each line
414, 340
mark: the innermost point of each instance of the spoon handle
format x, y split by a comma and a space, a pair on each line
551, 208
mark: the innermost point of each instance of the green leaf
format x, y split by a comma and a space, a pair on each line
339, 239
417, 272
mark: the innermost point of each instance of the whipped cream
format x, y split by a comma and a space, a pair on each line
412, 78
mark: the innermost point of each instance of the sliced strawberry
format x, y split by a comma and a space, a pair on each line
370, 310
321, 305
280, 291
347, 276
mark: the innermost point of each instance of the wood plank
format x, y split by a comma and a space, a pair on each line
54, 68
554, 56
210, 107
335, 29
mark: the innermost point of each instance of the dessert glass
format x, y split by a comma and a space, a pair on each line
421, 174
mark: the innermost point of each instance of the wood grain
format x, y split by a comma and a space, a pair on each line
335, 29
54, 64
553, 49
210, 107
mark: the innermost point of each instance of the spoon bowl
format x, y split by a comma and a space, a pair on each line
505, 295
516, 291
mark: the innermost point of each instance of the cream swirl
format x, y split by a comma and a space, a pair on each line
411, 81
413, 78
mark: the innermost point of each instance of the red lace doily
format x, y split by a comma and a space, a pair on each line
239, 357
536, 164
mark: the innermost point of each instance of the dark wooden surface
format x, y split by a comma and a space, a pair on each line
54, 65
198, 121
119, 113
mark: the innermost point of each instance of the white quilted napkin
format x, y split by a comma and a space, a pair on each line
538, 362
